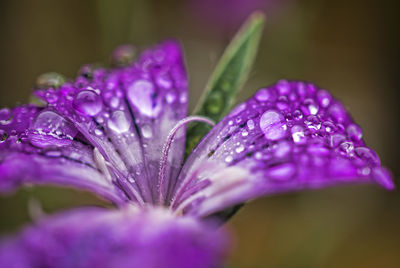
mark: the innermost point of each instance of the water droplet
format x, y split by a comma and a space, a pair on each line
238, 109
5, 116
310, 107
282, 149
283, 87
354, 132
367, 155
364, 171
119, 122
265, 94
228, 159
337, 112
329, 127
298, 134
281, 172
313, 122
273, 125
297, 115
250, 124
170, 97
240, 148
147, 132
347, 147
301, 89
51, 97
98, 132
141, 94
245, 133
324, 98
282, 103
88, 102
336, 140
183, 98
51, 129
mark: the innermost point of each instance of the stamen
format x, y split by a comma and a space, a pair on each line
168, 143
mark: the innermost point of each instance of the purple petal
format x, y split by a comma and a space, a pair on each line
39, 146
127, 113
288, 137
124, 238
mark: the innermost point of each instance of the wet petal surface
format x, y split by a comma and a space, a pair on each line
39, 146
288, 137
108, 124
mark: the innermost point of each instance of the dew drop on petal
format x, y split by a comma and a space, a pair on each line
5, 116
297, 115
240, 148
367, 155
347, 147
98, 132
336, 139
51, 129
266, 95
240, 108
273, 125
281, 172
298, 134
147, 132
283, 87
141, 94
88, 102
324, 98
250, 124
118, 122
282, 149
354, 132
170, 97
337, 112
228, 159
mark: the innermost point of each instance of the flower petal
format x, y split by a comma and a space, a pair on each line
39, 146
127, 114
124, 238
288, 137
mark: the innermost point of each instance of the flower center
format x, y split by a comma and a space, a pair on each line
167, 147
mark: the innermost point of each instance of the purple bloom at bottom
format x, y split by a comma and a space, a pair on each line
120, 133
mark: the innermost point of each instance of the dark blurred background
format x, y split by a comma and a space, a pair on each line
347, 46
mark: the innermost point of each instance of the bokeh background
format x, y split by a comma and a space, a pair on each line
347, 46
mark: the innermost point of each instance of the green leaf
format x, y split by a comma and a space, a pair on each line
229, 76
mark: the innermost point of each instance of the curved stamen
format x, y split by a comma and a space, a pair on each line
168, 143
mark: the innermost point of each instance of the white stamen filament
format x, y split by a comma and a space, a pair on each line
167, 147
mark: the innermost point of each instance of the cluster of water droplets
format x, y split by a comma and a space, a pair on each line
119, 111
295, 130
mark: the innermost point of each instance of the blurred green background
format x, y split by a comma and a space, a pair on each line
349, 47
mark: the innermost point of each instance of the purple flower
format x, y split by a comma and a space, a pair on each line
120, 133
